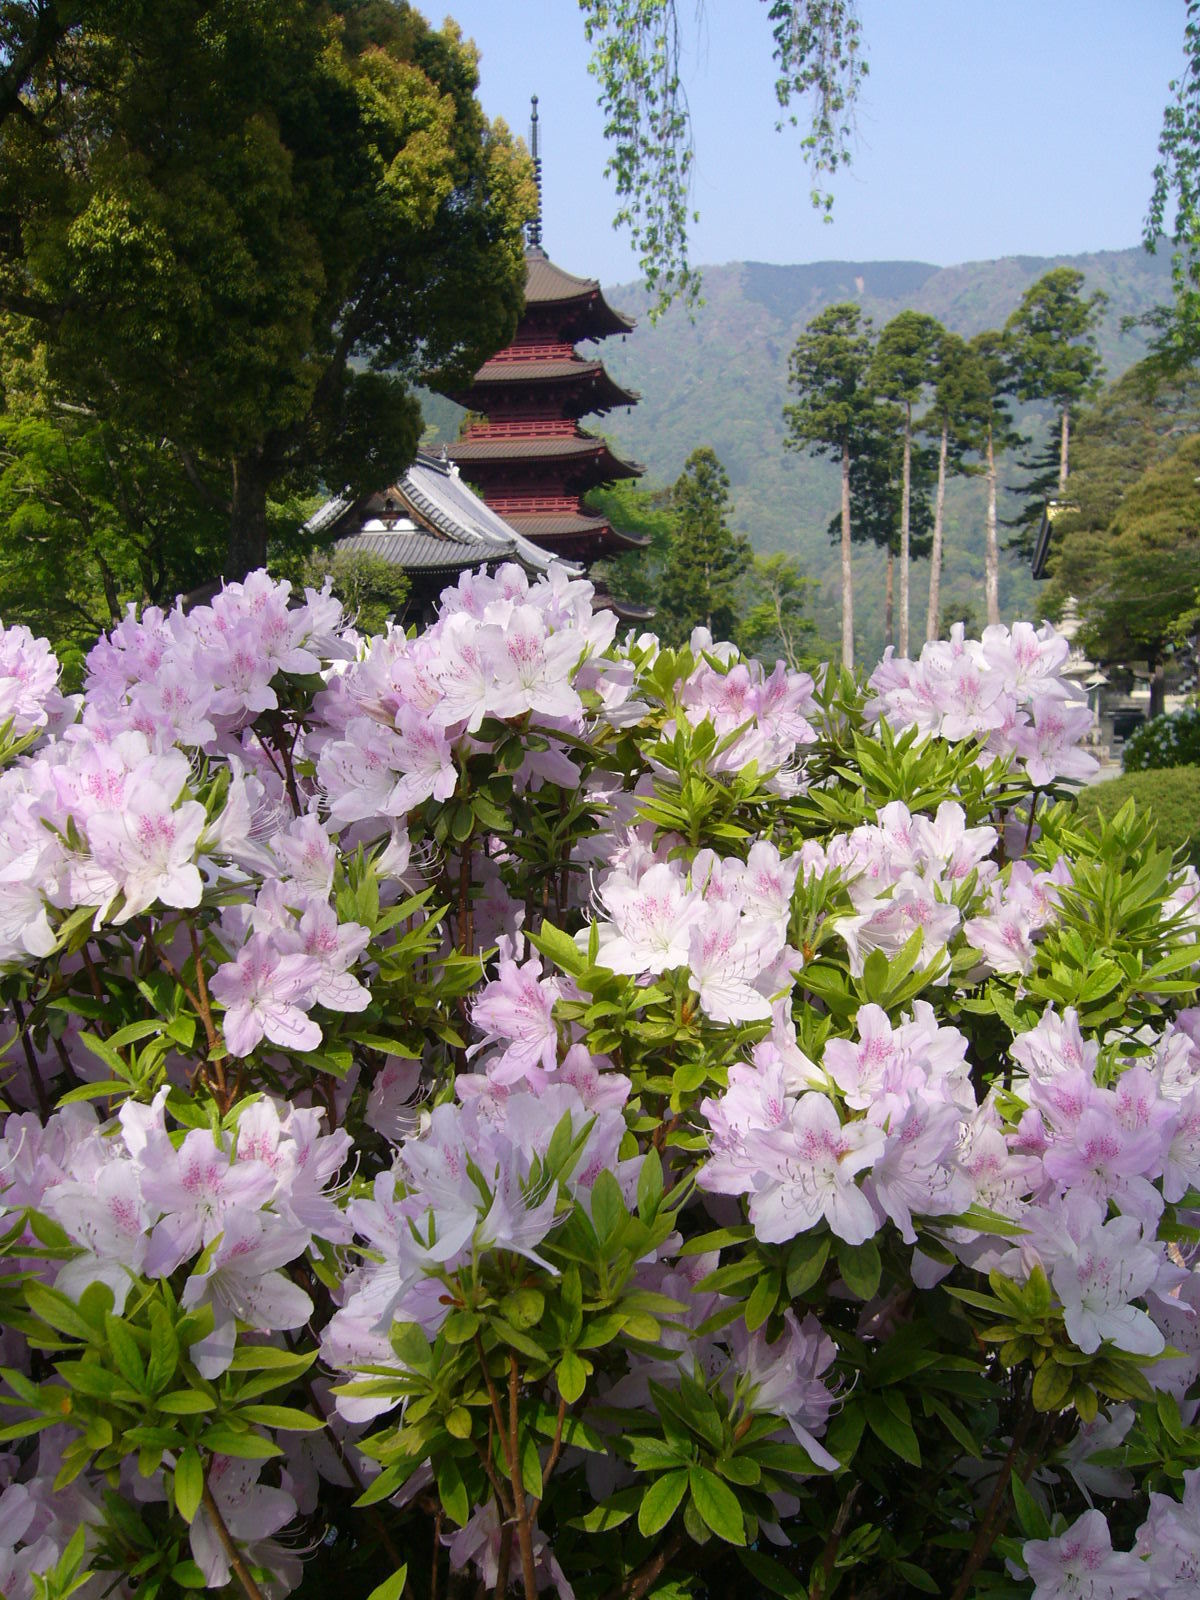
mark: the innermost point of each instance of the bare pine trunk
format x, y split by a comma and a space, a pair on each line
248, 519
932, 611
1064, 445
1158, 687
992, 558
889, 600
904, 527
847, 576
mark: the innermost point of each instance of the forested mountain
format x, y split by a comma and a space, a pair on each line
721, 380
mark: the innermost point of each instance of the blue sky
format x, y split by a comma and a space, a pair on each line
987, 128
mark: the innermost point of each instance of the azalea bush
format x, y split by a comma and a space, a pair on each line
505, 1109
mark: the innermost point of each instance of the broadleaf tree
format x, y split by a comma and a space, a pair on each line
250, 229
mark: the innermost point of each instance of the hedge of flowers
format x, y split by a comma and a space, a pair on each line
506, 1108
1172, 740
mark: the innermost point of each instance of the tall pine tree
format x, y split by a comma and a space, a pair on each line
829, 371
1052, 345
903, 370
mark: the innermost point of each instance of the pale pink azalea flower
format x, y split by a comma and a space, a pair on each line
108, 1218
465, 672
335, 947
1099, 1268
423, 756
1049, 746
516, 1009
785, 1379
478, 1544
725, 957
533, 667
919, 1171
1081, 1564
251, 1512
1169, 1539
195, 1190
650, 921
307, 854
147, 851
242, 1283
265, 994
807, 1169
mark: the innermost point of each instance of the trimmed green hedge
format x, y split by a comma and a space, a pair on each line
1171, 794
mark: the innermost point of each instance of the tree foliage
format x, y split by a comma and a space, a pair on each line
1177, 186
774, 624
707, 560
1136, 581
248, 229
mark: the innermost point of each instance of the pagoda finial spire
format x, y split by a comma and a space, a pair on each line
535, 225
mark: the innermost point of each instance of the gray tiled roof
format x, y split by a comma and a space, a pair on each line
458, 530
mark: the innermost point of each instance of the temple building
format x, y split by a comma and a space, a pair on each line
431, 524
522, 446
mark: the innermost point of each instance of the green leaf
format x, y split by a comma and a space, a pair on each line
860, 1265
188, 1575
611, 1513
762, 1301
456, 1502
806, 1262
661, 1501
391, 1588
458, 1423
717, 1505
226, 1441
189, 1482
892, 1430
164, 1349
1033, 1520
608, 1206
560, 948
289, 1418
185, 1402
1052, 1384
650, 1185
778, 1580
523, 1307
572, 1377
125, 1351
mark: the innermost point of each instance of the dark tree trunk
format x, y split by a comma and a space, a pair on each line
1158, 687
847, 575
247, 518
905, 498
933, 618
889, 601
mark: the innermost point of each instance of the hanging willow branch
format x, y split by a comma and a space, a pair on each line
636, 62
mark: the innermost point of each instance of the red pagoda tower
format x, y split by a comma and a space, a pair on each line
523, 448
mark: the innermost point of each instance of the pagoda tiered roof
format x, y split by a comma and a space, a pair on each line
529, 458
499, 445
547, 285
580, 387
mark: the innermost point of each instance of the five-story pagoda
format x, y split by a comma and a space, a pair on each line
523, 447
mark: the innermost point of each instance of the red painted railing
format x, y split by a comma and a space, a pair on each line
522, 428
541, 351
